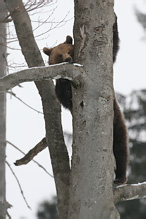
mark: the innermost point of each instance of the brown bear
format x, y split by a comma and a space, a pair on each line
64, 53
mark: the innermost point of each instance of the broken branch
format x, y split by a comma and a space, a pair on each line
33, 159
32, 153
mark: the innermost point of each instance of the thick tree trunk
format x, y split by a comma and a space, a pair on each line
91, 194
3, 208
51, 106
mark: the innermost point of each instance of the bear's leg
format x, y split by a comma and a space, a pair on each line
115, 39
120, 145
64, 93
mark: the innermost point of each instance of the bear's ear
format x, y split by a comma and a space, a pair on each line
47, 51
68, 40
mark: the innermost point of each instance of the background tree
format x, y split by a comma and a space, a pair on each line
134, 107
53, 122
3, 205
13, 48
48, 210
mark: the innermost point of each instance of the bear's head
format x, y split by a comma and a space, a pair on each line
62, 53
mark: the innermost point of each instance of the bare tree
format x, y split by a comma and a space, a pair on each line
91, 180
3, 206
54, 134
85, 190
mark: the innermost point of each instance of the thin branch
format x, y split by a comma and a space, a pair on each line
13, 94
18, 184
51, 22
41, 23
40, 9
31, 7
68, 71
54, 27
32, 160
130, 192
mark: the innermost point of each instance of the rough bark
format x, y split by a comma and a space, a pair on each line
3, 205
68, 71
91, 194
51, 107
130, 192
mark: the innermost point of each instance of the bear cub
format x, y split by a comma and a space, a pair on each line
64, 53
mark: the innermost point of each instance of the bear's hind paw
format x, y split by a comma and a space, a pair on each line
119, 181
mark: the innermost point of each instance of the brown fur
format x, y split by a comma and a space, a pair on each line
64, 53
120, 144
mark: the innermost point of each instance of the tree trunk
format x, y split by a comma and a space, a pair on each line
3, 208
51, 106
91, 194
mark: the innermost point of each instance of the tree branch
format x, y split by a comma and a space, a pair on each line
13, 94
130, 192
18, 184
51, 107
68, 71
32, 153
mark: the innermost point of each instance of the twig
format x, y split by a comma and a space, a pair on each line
13, 94
8, 215
32, 160
54, 27
18, 184
41, 23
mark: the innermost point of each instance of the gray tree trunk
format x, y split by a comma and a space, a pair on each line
3, 208
91, 193
51, 106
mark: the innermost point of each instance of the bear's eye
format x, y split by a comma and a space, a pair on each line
69, 52
60, 55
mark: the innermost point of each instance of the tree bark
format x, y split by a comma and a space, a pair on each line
51, 106
130, 192
68, 71
91, 194
3, 205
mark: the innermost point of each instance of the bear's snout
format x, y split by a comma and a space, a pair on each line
68, 59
